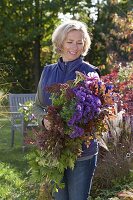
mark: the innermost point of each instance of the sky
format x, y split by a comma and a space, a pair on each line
92, 15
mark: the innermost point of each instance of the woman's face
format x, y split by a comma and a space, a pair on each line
72, 46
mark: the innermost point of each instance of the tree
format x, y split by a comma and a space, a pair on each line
26, 29
112, 34
24, 25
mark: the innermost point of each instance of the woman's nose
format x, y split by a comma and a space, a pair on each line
74, 46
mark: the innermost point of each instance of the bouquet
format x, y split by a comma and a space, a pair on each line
79, 111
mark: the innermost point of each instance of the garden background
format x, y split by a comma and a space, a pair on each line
25, 48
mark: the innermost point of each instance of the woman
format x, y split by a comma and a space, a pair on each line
71, 41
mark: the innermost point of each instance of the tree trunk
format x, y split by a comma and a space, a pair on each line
37, 65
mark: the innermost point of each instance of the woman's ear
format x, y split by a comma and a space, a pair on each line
59, 49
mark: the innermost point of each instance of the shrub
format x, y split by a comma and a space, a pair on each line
13, 186
115, 166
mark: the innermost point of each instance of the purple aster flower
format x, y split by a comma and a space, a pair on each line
71, 121
89, 98
85, 120
108, 87
87, 109
99, 83
77, 132
78, 116
79, 107
98, 101
81, 96
85, 113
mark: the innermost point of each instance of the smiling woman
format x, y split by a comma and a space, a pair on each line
71, 41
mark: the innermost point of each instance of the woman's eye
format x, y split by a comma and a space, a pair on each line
78, 43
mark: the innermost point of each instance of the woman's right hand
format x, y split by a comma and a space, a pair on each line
46, 124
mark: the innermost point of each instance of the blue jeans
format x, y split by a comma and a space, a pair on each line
78, 181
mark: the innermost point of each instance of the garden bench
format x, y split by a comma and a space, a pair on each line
17, 118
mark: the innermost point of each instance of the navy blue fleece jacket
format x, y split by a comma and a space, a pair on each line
61, 72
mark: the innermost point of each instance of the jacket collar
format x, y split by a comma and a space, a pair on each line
70, 65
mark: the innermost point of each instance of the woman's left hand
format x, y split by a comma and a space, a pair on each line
47, 124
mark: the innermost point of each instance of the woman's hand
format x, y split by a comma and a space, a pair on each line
46, 124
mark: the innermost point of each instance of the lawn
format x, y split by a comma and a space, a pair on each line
14, 179
11, 155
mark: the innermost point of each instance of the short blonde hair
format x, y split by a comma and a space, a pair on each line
60, 34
